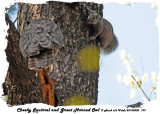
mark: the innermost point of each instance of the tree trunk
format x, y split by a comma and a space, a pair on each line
23, 85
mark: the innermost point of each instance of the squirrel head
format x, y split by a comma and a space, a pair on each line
92, 19
92, 16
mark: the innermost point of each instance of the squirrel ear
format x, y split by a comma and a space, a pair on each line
88, 10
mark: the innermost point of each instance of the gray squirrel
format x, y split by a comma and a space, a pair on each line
103, 32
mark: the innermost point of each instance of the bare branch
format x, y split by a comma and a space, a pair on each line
141, 90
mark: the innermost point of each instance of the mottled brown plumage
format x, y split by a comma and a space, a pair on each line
40, 41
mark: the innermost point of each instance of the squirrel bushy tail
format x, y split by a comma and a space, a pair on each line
111, 46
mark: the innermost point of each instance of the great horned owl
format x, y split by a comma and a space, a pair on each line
39, 42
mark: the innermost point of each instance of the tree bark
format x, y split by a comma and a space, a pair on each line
69, 78
21, 85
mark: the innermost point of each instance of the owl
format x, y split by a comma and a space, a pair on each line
40, 41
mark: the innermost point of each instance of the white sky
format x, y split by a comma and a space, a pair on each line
136, 30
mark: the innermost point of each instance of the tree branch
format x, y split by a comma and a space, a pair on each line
144, 94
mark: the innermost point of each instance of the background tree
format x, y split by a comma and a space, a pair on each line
11, 10
22, 85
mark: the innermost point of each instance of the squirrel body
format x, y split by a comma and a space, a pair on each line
47, 87
103, 32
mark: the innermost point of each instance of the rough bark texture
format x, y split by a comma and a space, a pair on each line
69, 78
21, 85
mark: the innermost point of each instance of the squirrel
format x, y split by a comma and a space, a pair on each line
47, 87
103, 32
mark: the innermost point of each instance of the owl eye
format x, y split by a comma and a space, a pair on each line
38, 30
93, 18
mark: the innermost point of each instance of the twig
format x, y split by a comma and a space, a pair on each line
141, 88
154, 87
15, 20
142, 65
151, 94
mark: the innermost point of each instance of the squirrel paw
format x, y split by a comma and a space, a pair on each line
92, 38
99, 45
